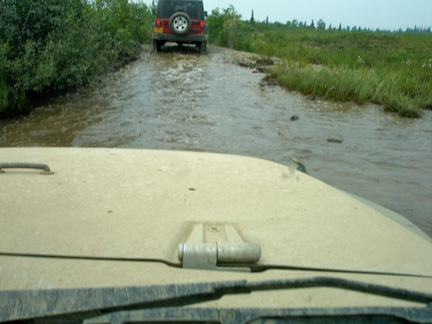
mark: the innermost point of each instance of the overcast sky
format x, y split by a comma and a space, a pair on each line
383, 14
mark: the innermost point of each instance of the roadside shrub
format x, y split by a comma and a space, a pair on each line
53, 45
3, 95
223, 26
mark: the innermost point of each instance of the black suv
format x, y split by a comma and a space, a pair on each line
182, 22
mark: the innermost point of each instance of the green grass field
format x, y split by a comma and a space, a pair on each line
390, 69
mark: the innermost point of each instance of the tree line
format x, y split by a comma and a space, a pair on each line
225, 25
321, 25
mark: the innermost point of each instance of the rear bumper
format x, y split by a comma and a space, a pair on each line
177, 38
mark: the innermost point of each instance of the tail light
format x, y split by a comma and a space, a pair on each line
202, 24
158, 22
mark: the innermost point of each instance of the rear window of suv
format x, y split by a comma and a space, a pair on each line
193, 8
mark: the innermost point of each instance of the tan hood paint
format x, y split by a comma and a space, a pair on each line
141, 204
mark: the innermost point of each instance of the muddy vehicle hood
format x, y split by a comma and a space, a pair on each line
122, 217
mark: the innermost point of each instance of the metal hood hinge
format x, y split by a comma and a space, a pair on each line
216, 247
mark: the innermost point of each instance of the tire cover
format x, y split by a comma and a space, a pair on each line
181, 17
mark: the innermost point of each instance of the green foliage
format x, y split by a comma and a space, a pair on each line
29, 20
3, 95
52, 45
223, 26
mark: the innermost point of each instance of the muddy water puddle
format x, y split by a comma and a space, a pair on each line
180, 100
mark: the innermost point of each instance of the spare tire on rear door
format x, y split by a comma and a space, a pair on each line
180, 23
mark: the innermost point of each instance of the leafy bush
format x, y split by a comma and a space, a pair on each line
223, 25
52, 45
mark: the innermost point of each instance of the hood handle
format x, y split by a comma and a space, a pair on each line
19, 165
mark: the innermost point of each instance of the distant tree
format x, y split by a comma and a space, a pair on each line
340, 27
252, 19
330, 27
312, 25
321, 25
267, 21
